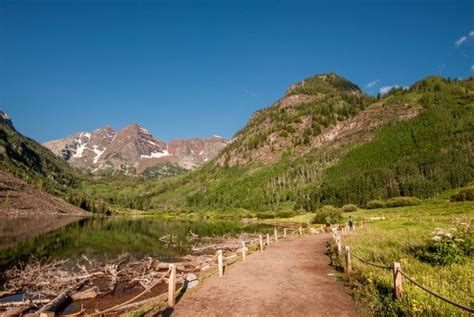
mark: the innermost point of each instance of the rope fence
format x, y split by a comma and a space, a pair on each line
397, 273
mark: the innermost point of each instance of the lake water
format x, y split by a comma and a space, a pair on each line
101, 238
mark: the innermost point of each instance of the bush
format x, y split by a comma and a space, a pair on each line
447, 246
349, 208
374, 204
466, 194
265, 215
402, 202
328, 214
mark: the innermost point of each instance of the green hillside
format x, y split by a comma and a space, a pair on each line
28, 160
324, 142
414, 142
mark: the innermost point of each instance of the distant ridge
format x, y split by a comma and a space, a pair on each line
132, 150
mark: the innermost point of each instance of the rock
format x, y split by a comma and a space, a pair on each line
192, 280
132, 150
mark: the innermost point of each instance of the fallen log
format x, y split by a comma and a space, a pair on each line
61, 298
16, 311
23, 303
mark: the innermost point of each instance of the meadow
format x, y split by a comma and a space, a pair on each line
399, 238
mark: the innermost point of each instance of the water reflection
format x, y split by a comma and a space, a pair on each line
101, 238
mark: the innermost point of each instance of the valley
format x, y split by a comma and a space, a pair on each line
321, 153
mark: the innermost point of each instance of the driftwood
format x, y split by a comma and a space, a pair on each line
57, 282
86, 294
16, 311
23, 303
113, 271
61, 298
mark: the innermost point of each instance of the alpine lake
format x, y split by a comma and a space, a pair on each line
102, 238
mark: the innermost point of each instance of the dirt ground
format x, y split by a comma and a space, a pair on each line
291, 278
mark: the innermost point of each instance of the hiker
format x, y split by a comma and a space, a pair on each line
351, 223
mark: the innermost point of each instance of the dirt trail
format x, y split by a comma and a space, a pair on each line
291, 278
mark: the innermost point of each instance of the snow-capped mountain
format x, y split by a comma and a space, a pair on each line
132, 150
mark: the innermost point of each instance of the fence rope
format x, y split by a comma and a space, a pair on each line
371, 263
426, 289
368, 262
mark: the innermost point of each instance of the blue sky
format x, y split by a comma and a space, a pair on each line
184, 69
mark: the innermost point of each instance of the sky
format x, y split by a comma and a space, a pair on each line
195, 68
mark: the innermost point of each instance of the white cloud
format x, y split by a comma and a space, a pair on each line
386, 89
472, 68
464, 39
461, 40
372, 84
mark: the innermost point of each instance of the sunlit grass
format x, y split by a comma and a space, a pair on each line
387, 241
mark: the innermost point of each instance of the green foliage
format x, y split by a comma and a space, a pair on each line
416, 158
29, 161
394, 240
466, 194
402, 202
447, 246
327, 214
349, 207
164, 170
335, 99
375, 203
419, 157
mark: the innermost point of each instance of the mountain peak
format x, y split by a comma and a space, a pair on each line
132, 150
323, 84
5, 119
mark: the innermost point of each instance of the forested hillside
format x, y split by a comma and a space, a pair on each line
28, 160
325, 142
31, 162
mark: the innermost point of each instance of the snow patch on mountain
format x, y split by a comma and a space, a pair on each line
156, 154
98, 153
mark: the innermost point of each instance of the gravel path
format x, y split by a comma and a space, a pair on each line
291, 278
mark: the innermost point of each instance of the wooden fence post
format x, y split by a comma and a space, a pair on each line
220, 263
284, 232
397, 281
348, 260
268, 239
260, 238
339, 246
244, 252
301, 231
276, 234
172, 286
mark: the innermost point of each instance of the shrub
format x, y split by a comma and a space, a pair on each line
374, 204
265, 215
447, 246
402, 202
349, 208
327, 214
466, 194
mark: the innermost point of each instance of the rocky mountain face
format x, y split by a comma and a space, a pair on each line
326, 142
321, 111
132, 150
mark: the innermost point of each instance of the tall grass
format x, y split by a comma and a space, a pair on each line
391, 241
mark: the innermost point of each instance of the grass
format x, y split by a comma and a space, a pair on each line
391, 241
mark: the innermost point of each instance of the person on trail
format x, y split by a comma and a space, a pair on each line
351, 223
